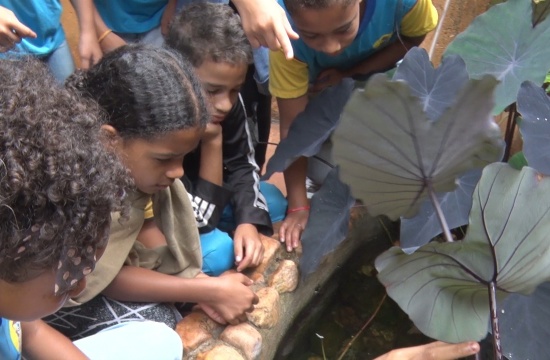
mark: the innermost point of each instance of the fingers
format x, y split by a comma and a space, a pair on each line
443, 351
22, 31
284, 38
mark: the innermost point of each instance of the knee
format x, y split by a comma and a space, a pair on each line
218, 252
163, 338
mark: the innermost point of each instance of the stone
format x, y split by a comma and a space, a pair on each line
266, 312
285, 278
271, 248
220, 352
195, 329
244, 337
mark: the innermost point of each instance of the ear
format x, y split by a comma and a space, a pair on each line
111, 137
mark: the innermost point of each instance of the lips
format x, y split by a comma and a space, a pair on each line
217, 119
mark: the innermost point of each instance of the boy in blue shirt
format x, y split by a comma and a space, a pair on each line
338, 39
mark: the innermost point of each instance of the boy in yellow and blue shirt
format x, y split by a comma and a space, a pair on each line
338, 39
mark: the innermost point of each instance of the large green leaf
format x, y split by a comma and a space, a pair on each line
389, 152
502, 42
444, 287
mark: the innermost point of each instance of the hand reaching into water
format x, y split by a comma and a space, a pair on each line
434, 351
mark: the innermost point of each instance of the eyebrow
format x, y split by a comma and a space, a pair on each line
343, 27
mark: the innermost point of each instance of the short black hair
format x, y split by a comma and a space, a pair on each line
59, 182
146, 92
205, 31
294, 5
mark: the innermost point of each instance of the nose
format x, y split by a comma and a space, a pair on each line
223, 103
331, 46
176, 169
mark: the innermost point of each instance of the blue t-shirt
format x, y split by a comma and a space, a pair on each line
379, 27
131, 16
44, 18
10, 340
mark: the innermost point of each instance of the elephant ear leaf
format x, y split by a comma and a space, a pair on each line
436, 88
524, 326
534, 106
504, 43
506, 245
455, 206
328, 222
311, 127
391, 153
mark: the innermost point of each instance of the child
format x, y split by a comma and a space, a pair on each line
49, 43
224, 167
338, 39
59, 185
157, 115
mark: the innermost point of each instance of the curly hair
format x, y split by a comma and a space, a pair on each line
145, 92
59, 182
294, 5
206, 31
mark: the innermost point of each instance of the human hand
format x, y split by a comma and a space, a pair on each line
247, 241
233, 297
291, 230
265, 24
167, 16
433, 351
213, 132
326, 78
89, 50
12, 30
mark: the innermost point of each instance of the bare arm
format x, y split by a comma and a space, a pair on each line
380, 61
295, 177
211, 162
41, 341
110, 41
88, 46
229, 295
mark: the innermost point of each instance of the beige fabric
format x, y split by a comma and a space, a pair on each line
181, 257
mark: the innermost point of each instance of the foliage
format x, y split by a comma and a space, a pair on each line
503, 43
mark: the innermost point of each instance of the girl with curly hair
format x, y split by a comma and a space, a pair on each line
59, 185
156, 115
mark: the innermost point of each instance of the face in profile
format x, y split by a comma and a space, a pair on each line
155, 164
329, 30
222, 83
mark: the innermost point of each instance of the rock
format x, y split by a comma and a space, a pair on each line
244, 337
285, 278
195, 329
271, 247
266, 312
220, 352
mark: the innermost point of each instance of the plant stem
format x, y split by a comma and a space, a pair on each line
510, 130
494, 320
439, 212
348, 346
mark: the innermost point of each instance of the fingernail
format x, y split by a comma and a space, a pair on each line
238, 258
282, 239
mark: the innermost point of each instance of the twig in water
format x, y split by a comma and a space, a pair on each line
348, 346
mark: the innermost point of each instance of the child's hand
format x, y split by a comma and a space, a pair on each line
213, 132
247, 242
265, 24
233, 297
89, 50
435, 351
326, 78
11, 30
292, 228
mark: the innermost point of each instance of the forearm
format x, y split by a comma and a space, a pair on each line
211, 163
40, 341
295, 174
85, 13
144, 285
384, 59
